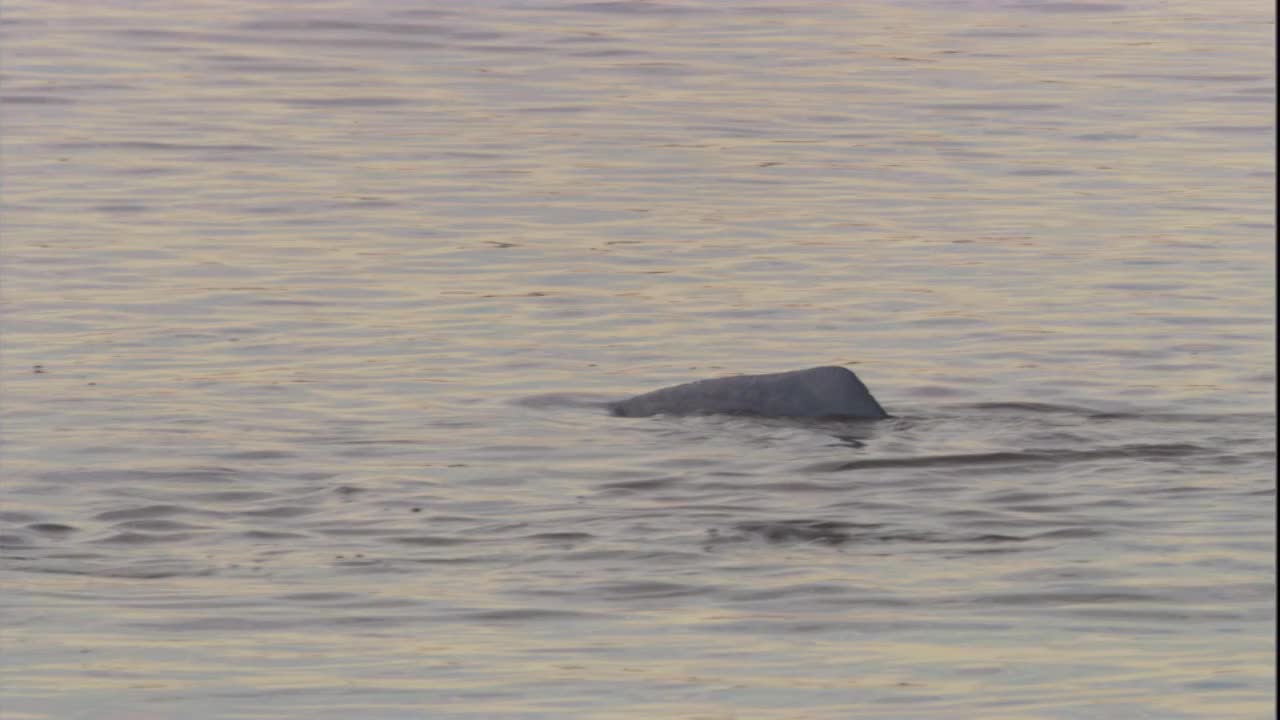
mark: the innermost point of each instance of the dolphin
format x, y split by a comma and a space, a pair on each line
820, 392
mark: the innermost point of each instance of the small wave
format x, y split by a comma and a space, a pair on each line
1097, 414
1136, 451
430, 540
1030, 407
130, 537
561, 537
106, 566
822, 532
565, 400
836, 533
638, 590
52, 528
646, 484
527, 615
1083, 597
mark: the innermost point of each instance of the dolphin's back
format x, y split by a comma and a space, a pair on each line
817, 392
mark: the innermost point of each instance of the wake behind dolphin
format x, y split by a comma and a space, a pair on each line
828, 391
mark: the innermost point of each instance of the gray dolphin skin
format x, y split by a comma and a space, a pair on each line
829, 391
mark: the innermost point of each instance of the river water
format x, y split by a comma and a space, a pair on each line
311, 307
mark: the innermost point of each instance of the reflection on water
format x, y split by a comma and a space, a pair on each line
313, 313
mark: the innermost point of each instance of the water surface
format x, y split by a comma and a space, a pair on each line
311, 308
